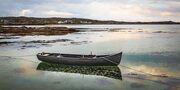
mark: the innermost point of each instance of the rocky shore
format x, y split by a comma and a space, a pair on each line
35, 30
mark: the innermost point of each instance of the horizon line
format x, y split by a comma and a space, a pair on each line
90, 19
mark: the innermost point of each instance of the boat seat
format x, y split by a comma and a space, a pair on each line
59, 56
45, 54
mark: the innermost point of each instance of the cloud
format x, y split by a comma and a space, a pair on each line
24, 12
115, 11
53, 13
165, 13
126, 10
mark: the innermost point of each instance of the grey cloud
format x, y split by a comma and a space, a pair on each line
83, 8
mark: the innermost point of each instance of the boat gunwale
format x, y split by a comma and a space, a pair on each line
82, 56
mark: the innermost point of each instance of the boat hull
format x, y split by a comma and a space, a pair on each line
112, 60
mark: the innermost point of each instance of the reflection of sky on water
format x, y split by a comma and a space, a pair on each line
19, 76
163, 63
154, 53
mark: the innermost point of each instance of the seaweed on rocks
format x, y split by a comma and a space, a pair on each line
107, 71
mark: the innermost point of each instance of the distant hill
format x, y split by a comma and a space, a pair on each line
55, 20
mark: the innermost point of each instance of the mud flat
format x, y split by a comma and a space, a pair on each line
34, 42
35, 30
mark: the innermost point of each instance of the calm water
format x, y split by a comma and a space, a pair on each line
153, 49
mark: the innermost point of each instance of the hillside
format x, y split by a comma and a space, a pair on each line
55, 20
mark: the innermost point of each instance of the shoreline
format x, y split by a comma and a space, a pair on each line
92, 24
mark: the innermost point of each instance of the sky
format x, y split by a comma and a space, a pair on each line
119, 10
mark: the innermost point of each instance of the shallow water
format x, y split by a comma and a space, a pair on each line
152, 49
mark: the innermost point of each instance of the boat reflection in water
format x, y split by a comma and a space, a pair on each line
107, 71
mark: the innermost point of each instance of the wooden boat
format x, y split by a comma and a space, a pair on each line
77, 59
106, 71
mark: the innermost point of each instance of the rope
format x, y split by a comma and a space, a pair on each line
28, 61
130, 67
17, 56
22, 59
126, 66
136, 70
110, 61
